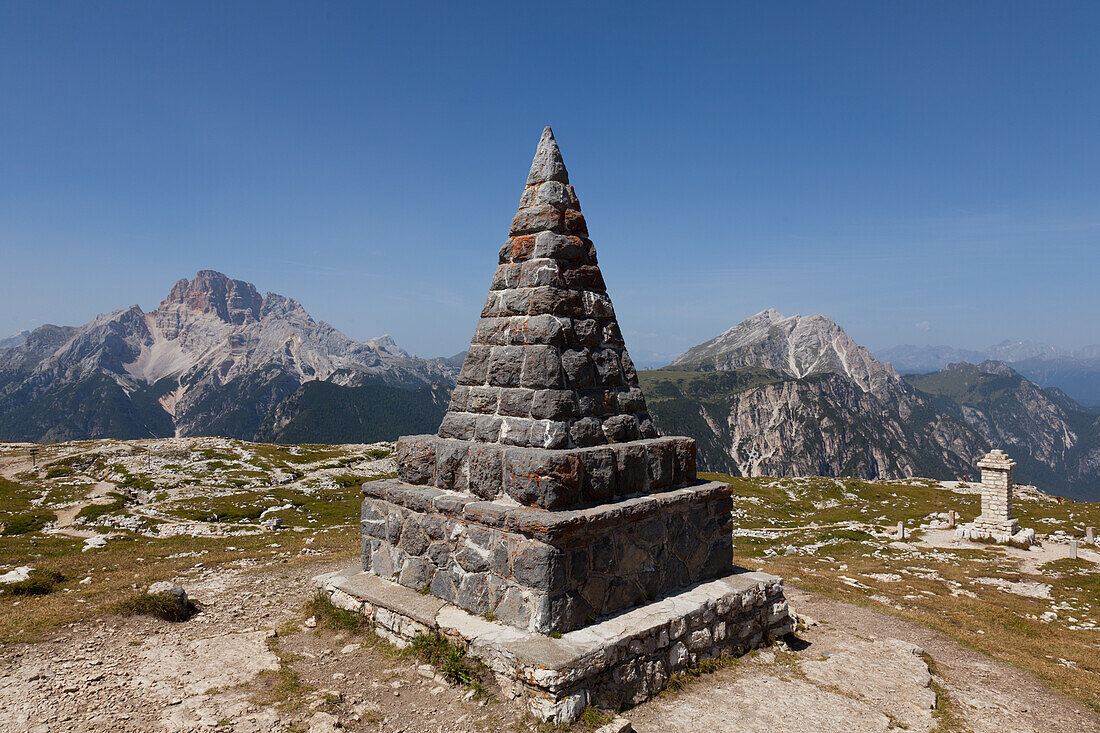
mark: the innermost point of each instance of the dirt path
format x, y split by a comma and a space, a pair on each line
989, 695
217, 672
1030, 560
858, 670
67, 515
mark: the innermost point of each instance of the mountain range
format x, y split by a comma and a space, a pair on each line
214, 358
773, 395
1074, 371
788, 396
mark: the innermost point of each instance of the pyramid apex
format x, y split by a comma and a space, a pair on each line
548, 164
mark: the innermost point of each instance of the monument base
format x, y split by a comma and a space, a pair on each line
1001, 531
546, 571
617, 662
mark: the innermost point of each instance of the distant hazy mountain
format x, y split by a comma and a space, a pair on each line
16, 339
215, 358
795, 395
1077, 373
910, 359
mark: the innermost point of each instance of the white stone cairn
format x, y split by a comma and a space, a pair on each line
996, 523
1090, 535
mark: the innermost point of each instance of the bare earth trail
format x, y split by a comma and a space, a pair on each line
857, 670
869, 692
66, 516
1031, 560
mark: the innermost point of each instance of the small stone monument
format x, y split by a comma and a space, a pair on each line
1090, 536
996, 522
546, 525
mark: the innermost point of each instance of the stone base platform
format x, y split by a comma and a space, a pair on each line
1002, 533
544, 571
617, 662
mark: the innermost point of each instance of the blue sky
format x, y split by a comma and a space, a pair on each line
920, 172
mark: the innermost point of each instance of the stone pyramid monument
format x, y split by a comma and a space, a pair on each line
547, 376
546, 525
547, 366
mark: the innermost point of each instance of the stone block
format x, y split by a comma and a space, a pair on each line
587, 431
597, 305
515, 431
487, 429
551, 480
554, 404
542, 368
596, 402
517, 249
583, 277
539, 566
630, 400
578, 369
684, 461
621, 428
415, 458
559, 247
505, 366
537, 218
484, 400
458, 425
458, 398
574, 224
553, 300
552, 434
416, 573
516, 402
632, 467
475, 364
586, 332
599, 481
606, 362
660, 461
450, 464
557, 194
486, 470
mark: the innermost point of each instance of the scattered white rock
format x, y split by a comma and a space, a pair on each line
16, 576
94, 542
323, 723
618, 725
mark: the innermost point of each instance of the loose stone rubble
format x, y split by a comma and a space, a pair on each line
548, 503
996, 523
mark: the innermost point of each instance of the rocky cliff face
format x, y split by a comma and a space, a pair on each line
823, 425
1051, 437
214, 358
796, 396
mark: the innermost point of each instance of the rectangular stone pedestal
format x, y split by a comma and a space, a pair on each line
545, 571
616, 662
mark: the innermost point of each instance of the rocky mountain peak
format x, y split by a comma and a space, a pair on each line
233, 301
797, 346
